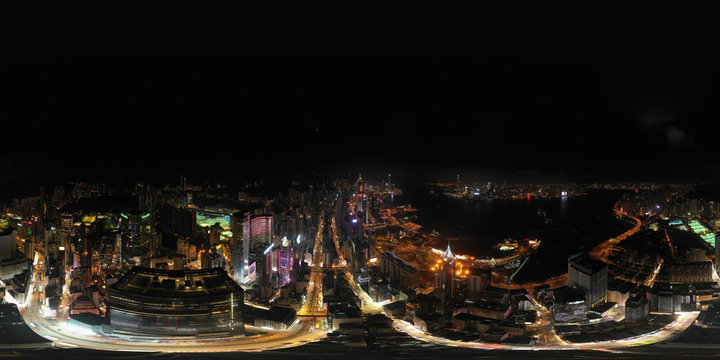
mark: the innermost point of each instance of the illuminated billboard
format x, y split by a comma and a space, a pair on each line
251, 274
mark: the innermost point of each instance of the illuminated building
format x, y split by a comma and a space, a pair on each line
489, 310
240, 253
66, 221
136, 237
277, 318
399, 271
12, 262
149, 199
252, 231
359, 194
637, 308
263, 257
444, 270
569, 304
261, 228
686, 273
168, 302
211, 259
591, 276
284, 258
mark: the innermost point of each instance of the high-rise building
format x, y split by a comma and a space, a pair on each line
66, 221
477, 283
149, 199
359, 194
178, 220
589, 275
284, 258
12, 262
261, 228
249, 231
239, 257
400, 272
8, 243
637, 308
136, 237
444, 274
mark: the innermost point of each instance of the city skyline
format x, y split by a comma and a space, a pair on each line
313, 180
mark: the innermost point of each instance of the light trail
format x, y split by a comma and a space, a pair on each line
669, 331
310, 329
302, 331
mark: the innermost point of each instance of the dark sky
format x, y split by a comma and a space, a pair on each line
566, 92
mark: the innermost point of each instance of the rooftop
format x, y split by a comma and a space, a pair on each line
588, 265
568, 294
176, 283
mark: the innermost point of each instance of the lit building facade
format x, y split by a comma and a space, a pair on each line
137, 237
249, 231
591, 276
399, 271
168, 302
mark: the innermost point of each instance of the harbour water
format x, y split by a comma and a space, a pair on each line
564, 225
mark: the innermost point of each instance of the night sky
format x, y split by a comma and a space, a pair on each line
558, 93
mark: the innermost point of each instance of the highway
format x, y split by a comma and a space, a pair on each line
603, 250
310, 325
549, 339
305, 329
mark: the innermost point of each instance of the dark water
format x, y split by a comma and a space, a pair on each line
474, 227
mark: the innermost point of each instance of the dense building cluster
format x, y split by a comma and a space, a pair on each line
197, 260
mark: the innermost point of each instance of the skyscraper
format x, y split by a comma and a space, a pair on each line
251, 231
136, 237
444, 274
359, 194
178, 220
591, 276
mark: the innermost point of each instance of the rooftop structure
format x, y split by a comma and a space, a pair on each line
591, 276
172, 302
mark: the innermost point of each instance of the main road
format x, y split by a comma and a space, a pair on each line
309, 327
550, 341
603, 250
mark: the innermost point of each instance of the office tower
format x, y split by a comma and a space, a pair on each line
178, 220
591, 276
136, 232
249, 231
360, 191
399, 271
444, 274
